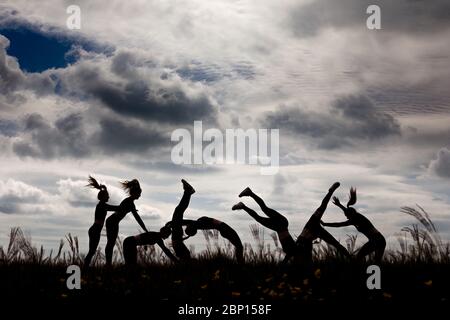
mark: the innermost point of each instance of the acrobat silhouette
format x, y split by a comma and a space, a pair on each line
274, 221
148, 238
376, 243
134, 191
313, 230
101, 211
180, 249
227, 232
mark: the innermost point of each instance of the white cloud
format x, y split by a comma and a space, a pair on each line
76, 193
19, 197
441, 165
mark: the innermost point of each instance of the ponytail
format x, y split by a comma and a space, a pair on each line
102, 193
92, 183
130, 186
352, 197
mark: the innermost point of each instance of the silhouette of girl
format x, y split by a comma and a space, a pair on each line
101, 210
127, 205
148, 238
206, 223
314, 230
181, 251
274, 221
376, 243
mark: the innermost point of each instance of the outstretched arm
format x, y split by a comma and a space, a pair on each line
336, 224
167, 251
338, 203
139, 220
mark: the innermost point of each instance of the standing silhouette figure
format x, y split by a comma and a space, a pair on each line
181, 251
207, 223
274, 221
313, 230
376, 243
101, 211
148, 238
134, 191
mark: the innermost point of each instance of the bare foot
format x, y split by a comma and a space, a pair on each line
334, 186
238, 206
247, 192
187, 187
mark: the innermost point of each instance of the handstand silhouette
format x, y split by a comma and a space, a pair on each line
313, 230
274, 221
148, 238
101, 210
127, 205
181, 251
207, 223
376, 243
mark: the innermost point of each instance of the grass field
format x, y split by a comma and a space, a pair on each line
418, 272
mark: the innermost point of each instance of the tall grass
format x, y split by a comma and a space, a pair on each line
426, 244
418, 243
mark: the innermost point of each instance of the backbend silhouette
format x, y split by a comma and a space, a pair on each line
134, 191
274, 221
313, 230
181, 251
376, 243
227, 232
101, 210
148, 238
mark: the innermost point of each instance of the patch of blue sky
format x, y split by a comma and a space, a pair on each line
38, 51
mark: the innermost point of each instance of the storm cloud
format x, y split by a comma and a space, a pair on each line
65, 137
132, 87
131, 106
68, 137
8, 128
119, 136
350, 119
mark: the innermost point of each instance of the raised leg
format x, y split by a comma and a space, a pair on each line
323, 206
266, 222
184, 203
268, 211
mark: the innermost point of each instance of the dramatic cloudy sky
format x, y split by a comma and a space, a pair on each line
369, 108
